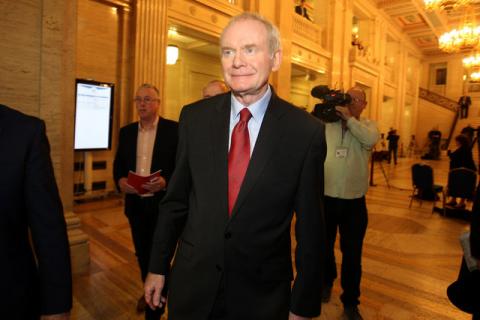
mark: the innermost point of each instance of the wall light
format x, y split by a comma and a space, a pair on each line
172, 54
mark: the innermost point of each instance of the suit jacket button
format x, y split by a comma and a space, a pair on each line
218, 267
228, 235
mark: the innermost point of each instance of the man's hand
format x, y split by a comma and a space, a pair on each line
153, 288
125, 187
293, 316
58, 316
155, 185
343, 112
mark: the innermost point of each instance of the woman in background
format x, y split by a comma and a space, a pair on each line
461, 157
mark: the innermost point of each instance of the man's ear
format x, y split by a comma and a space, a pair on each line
277, 60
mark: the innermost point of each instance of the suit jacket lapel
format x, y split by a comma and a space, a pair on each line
219, 125
132, 146
156, 146
271, 132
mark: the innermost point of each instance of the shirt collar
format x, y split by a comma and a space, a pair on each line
257, 109
154, 125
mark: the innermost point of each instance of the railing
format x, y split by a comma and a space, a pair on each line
438, 99
232, 7
363, 55
307, 29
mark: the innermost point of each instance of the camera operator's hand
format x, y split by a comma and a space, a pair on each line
343, 112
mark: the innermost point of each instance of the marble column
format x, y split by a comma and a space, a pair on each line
150, 44
56, 107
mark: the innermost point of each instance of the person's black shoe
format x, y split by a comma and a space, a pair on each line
351, 313
326, 294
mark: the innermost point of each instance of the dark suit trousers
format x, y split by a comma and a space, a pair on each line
463, 111
392, 150
351, 219
142, 223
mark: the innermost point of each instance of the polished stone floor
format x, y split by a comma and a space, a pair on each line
410, 256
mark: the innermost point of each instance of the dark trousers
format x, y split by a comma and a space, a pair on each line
463, 111
351, 219
392, 150
463, 293
143, 220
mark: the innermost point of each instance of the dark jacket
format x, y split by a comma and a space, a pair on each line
163, 155
462, 157
30, 206
251, 251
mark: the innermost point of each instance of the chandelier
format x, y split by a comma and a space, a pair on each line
472, 61
475, 76
444, 4
467, 36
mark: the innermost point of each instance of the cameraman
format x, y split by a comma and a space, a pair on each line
349, 143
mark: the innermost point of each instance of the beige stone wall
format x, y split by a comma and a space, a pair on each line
186, 79
431, 116
101, 55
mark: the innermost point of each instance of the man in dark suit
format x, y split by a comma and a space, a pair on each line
464, 103
247, 160
34, 250
145, 147
392, 138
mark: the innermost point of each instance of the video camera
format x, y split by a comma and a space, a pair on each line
331, 98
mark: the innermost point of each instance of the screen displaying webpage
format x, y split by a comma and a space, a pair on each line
93, 116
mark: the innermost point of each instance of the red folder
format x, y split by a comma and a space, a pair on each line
137, 181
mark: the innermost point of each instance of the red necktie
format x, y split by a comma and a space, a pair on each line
238, 157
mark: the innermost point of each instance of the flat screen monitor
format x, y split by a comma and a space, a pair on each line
93, 115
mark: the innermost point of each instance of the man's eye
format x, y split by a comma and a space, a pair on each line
227, 53
250, 50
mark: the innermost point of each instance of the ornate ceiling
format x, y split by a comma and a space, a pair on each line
421, 26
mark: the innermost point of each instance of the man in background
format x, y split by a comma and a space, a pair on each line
349, 144
145, 147
464, 103
434, 137
247, 161
392, 138
213, 88
34, 249
301, 9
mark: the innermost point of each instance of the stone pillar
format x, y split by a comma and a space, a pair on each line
56, 106
150, 44
284, 21
340, 44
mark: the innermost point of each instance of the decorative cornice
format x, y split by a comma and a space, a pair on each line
125, 4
